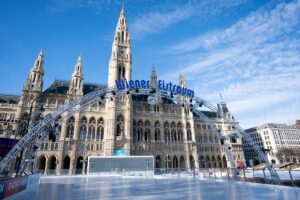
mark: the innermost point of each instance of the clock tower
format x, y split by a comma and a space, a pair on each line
119, 109
121, 58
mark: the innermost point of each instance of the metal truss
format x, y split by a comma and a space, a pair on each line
33, 139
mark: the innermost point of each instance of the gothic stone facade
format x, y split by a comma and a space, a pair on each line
174, 135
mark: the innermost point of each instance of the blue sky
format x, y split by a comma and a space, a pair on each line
248, 50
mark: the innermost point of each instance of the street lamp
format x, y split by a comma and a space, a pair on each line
167, 160
84, 161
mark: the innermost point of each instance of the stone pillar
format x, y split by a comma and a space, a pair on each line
46, 166
72, 163
63, 129
76, 126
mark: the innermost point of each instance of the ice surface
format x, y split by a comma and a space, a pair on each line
89, 187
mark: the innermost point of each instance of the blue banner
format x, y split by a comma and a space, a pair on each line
120, 152
6, 144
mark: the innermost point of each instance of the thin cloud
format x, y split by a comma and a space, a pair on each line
155, 21
254, 63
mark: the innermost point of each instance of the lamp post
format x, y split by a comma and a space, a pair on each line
28, 126
167, 160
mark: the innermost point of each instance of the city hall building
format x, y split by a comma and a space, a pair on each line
127, 125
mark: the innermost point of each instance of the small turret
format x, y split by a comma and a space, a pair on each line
34, 81
153, 78
76, 84
181, 80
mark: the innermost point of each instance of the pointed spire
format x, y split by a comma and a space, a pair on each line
153, 69
181, 80
41, 53
78, 67
39, 62
122, 11
153, 77
121, 56
79, 58
34, 81
76, 84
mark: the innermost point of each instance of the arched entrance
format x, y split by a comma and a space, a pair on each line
158, 162
255, 162
175, 162
201, 162
207, 162
52, 164
182, 164
224, 162
66, 162
192, 162
214, 164
273, 162
219, 162
79, 164
41, 163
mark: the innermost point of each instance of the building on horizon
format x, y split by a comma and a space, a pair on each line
275, 140
174, 135
298, 123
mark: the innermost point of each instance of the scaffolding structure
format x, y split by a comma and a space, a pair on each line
35, 136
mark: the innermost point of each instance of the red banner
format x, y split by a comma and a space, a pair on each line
12, 186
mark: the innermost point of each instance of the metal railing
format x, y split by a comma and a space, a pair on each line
287, 177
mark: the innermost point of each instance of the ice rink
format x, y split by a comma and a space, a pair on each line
78, 188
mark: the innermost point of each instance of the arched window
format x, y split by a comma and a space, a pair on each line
100, 133
189, 132
157, 134
83, 129
121, 71
120, 126
92, 130
173, 135
167, 135
70, 128
147, 134
135, 136
82, 132
100, 129
180, 135
179, 131
140, 134
91, 133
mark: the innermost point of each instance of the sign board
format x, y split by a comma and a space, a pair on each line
161, 84
120, 152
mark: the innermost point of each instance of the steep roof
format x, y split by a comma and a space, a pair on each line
209, 114
62, 87
10, 99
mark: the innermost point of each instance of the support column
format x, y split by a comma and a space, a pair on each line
76, 126
46, 166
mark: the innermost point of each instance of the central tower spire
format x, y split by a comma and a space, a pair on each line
121, 60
